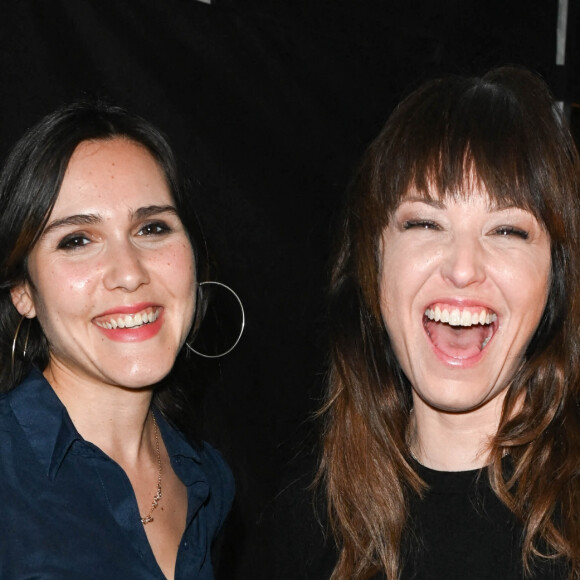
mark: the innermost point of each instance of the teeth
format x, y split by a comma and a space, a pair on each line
459, 317
130, 320
454, 317
437, 314
466, 318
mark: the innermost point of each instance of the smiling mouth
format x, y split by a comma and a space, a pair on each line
136, 320
459, 332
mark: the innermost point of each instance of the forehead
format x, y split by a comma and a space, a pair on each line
471, 188
116, 171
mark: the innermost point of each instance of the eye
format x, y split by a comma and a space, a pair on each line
154, 229
508, 231
420, 224
73, 242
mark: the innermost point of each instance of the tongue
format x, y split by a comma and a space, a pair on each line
457, 341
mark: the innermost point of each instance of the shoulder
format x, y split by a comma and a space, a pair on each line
21, 405
201, 466
217, 471
197, 461
218, 483
9, 427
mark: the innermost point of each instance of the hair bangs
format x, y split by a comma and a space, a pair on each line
478, 140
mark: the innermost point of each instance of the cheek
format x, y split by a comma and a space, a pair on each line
60, 276
526, 283
401, 279
184, 292
80, 284
177, 269
178, 255
183, 267
392, 309
390, 290
62, 293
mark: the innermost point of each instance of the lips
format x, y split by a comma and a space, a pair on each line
459, 332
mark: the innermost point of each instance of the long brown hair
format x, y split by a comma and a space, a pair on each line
506, 129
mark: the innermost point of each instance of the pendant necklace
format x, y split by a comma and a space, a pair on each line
149, 518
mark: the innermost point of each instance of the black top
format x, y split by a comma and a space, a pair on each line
460, 530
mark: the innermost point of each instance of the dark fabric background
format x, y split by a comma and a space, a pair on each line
269, 105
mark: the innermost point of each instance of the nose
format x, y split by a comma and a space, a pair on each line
125, 267
463, 262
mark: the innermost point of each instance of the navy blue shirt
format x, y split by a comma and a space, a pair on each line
68, 511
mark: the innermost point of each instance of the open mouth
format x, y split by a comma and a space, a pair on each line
459, 332
136, 320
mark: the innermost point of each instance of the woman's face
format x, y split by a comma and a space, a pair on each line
112, 279
463, 287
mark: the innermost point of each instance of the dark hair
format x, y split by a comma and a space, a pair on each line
29, 186
505, 131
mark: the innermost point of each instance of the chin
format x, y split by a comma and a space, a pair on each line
455, 407
142, 377
455, 399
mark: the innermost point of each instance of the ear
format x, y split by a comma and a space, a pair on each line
22, 299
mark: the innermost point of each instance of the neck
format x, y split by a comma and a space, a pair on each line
113, 418
453, 441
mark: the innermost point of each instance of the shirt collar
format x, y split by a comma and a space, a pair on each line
51, 433
44, 420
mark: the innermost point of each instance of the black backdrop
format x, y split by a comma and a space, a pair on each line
269, 105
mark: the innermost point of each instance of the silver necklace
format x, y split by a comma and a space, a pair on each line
149, 518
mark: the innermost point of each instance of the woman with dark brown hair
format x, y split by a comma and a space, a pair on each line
452, 438
102, 278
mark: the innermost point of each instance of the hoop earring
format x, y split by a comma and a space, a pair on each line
14, 341
204, 355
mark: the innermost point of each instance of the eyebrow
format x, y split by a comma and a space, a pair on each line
87, 219
152, 210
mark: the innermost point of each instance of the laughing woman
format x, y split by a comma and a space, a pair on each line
101, 258
452, 441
